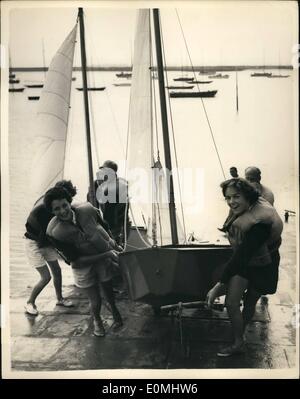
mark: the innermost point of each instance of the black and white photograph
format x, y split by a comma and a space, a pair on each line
149, 189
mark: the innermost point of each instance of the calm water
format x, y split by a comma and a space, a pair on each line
263, 133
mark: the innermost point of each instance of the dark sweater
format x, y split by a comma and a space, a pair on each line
36, 224
238, 263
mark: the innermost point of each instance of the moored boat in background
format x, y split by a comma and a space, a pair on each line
208, 93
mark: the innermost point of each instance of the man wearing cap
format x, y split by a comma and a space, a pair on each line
112, 196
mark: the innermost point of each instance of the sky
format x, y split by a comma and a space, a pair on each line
216, 32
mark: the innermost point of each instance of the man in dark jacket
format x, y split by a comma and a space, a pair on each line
112, 196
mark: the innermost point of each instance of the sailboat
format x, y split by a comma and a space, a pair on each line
16, 89
218, 76
34, 85
100, 88
122, 84
184, 79
262, 74
12, 80
175, 87
123, 74
203, 82
279, 74
207, 93
167, 272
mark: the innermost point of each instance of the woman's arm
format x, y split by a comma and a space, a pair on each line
87, 260
253, 240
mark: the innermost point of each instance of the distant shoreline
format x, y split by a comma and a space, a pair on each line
208, 69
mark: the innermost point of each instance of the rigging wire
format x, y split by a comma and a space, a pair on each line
90, 36
206, 115
174, 140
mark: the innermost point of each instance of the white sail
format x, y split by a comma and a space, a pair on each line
161, 215
140, 123
147, 182
52, 119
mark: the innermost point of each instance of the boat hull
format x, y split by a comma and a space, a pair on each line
187, 79
179, 87
170, 274
210, 93
124, 75
91, 88
261, 74
35, 86
16, 90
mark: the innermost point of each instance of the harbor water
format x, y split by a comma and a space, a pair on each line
262, 133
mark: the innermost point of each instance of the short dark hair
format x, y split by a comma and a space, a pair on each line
67, 185
110, 164
242, 186
255, 171
56, 193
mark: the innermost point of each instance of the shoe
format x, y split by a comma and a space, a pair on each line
232, 350
118, 322
116, 325
99, 330
31, 309
65, 302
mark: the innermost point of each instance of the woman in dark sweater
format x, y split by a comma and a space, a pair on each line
255, 236
40, 253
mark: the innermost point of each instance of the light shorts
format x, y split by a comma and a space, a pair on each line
39, 257
89, 276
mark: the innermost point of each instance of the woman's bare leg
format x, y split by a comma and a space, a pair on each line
250, 299
95, 301
45, 278
57, 280
235, 290
107, 287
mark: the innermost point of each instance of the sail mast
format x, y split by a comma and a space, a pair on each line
165, 128
92, 196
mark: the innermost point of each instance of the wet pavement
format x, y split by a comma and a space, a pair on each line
62, 339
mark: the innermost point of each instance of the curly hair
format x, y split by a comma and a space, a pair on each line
56, 193
67, 185
243, 187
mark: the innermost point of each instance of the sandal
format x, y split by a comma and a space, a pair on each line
65, 302
30, 308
